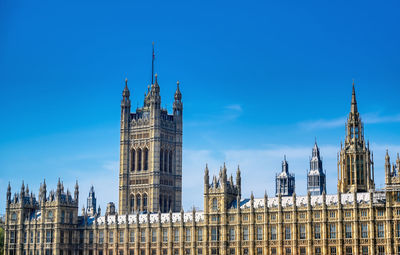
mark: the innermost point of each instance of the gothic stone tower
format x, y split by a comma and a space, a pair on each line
150, 154
285, 181
316, 180
355, 163
222, 192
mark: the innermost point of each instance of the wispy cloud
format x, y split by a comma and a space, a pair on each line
369, 118
223, 115
321, 123
373, 118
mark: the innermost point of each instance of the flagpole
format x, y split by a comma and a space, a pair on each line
152, 65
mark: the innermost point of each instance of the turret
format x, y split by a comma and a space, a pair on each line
8, 197
239, 181
155, 99
387, 169
76, 192
22, 193
58, 191
206, 179
178, 107
91, 202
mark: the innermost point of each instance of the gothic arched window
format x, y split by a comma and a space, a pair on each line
138, 202
214, 204
146, 159
170, 162
133, 162
165, 161
139, 159
132, 203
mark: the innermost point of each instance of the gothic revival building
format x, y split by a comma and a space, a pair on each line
150, 177
316, 182
356, 220
284, 181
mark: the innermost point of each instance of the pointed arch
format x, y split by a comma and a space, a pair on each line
165, 160
139, 159
132, 203
170, 162
138, 202
146, 159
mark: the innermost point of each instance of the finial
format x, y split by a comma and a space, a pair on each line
126, 81
177, 83
155, 76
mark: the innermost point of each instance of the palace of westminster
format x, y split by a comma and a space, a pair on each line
150, 220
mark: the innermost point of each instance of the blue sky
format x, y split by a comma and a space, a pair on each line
259, 79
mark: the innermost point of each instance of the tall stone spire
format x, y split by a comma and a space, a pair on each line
355, 165
353, 101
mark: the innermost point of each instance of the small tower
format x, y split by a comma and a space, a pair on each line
91, 202
316, 180
219, 195
285, 181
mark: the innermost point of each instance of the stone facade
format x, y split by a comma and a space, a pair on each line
349, 222
150, 176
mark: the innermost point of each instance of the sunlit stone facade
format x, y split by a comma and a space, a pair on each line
349, 222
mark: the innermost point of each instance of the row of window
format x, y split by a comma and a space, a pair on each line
332, 234
50, 216
216, 251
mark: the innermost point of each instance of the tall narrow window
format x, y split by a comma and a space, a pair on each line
231, 234
170, 162
317, 231
259, 233
146, 159
161, 160
132, 203
138, 203
288, 234
302, 232
165, 160
245, 233
101, 236
381, 230
348, 230
332, 231
273, 233
139, 159
133, 162
364, 230
214, 204
200, 234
